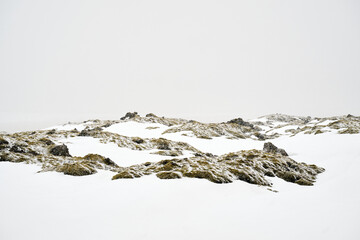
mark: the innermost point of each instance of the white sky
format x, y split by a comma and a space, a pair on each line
207, 60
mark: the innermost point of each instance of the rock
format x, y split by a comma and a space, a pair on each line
168, 175
241, 122
85, 133
271, 148
150, 115
60, 150
17, 149
76, 169
52, 131
46, 141
3, 141
98, 158
123, 174
137, 140
129, 115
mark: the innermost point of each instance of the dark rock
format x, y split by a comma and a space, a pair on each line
17, 149
271, 148
46, 141
52, 131
168, 175
106, 125
3, 141
349, 116
241, 122
150, 115
138, 140
260, 136
4, 158
60, 150
129, 115
84, 133
209, 155
101, 159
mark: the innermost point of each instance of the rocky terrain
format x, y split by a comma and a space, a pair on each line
46, 148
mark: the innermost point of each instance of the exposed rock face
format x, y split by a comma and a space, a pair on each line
3, 141
271, 148
60, 150
251, 166
17, 149
241, 122
76, 169
129, 115
150, 115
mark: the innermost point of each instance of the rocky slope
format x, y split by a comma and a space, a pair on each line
256, 166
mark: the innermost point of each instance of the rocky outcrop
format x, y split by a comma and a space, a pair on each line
271, 148
252, 166
241, 122
129, 115
60, 150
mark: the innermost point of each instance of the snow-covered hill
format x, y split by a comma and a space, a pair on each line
138, 153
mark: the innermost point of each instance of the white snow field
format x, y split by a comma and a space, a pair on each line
54, 206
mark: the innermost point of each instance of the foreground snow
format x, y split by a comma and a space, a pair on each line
54, 206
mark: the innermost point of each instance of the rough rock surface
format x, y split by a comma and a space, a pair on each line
129, 115
271, 148
60, 150
251, 166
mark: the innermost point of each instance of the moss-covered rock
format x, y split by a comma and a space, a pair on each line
124, 174
168, 175
60, 150
76, 169
100, 159
3, 141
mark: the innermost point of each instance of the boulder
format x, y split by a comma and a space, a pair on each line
241, 122
129, 115
271, 148
60, 150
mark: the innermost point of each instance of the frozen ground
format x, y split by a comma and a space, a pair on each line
55, 206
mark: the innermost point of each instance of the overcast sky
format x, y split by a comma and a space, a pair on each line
206, 60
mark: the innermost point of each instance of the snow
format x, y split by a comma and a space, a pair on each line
137, 129
55, 206
81, 146
282, 130
68, 127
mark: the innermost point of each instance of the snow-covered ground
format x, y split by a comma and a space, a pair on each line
55, 206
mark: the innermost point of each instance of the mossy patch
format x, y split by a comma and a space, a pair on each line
168, 175
76, 169
124, 174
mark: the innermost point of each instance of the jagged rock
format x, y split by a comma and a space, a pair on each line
52, 131
168, 175
3, 141
60, 150
100, 159
129, 115
150, 115
17, 149
271, 148
241, 122
138, 140
46, 141
76, 169
251, 166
